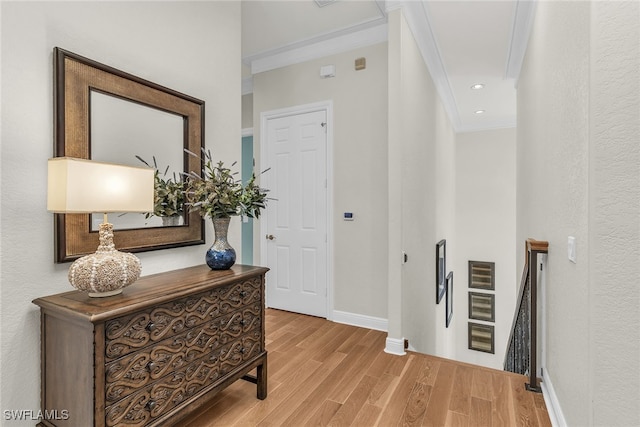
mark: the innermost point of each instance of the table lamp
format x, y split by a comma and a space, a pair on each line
86, 186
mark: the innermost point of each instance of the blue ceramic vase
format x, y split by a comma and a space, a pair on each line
221, 256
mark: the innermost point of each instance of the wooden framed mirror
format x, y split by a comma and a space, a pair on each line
107, 113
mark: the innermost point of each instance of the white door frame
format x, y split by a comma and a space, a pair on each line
265, 116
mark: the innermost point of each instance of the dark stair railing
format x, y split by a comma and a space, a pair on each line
522, 346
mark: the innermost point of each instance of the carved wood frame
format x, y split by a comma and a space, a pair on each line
74, 79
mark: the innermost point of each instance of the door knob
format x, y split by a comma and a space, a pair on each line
270, 237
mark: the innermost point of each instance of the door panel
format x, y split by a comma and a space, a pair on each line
297, 219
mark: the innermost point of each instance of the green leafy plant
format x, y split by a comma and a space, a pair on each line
168, 197
219, 194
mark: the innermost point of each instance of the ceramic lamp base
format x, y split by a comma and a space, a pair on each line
107, 271
104, 294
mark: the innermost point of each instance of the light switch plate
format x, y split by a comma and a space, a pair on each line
571, 249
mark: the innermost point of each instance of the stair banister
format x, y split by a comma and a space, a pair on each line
529, 283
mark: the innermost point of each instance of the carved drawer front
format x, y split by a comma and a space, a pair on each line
130, 373
244, 349
129, 333
239, 294
161, 396
235, 324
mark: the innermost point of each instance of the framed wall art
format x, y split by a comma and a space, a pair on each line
441, 268
482, 306
482, 275
481, 337
449, 299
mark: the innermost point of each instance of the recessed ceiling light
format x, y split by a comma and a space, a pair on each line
477, 86
480, 112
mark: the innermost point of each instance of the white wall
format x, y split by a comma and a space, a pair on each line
578, 162
485, 231
192, 47
359, 164
421, 194
614, 213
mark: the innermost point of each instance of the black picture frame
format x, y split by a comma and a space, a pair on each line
449, 299
441, 268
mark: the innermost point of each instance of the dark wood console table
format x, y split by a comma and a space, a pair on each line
155, 353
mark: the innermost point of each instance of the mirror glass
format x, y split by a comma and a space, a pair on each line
122, 129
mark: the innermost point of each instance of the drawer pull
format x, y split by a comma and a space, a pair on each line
242, 322
243, 294
150, 326
243, 350
151, 366
150, 405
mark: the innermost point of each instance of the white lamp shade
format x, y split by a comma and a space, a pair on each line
86, 186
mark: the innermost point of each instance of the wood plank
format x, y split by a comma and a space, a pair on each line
324, 413
367, 416
376, 388
541, 410
480, 413
416, 407
326, 387
342, 390
353, 339
331, 342
523, 405
456, 419
282, 361
282, 395
438, 406
381, 392
482, 384
382, 361
461, 392
355, 402
429, 372
502, 412
398, 401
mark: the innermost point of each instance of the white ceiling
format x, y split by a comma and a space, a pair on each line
463, 43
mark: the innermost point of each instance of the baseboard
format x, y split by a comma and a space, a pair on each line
395, 346
392, 345
360, 320
551, 401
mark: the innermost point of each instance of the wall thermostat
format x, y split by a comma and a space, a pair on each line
348, 216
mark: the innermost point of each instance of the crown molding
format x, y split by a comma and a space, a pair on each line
417, 17
375, 31
523, 15
365, 34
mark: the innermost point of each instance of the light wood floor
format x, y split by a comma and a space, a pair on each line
328, 374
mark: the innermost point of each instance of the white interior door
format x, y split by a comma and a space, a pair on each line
296, 222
